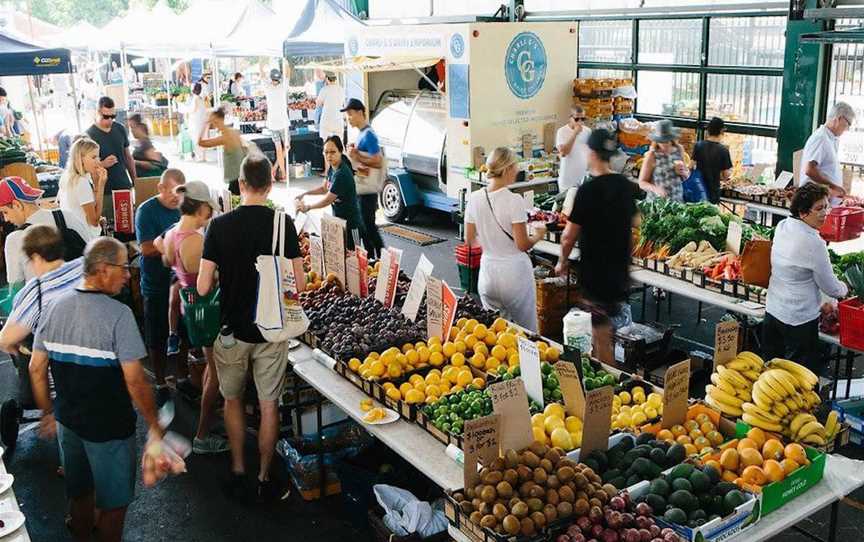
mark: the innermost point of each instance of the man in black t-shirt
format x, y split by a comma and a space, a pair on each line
602, 220
113, 152
232, 244
712, 159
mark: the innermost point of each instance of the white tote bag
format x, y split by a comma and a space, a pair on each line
373, 181
278, 313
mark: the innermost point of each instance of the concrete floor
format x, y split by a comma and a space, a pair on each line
193, 508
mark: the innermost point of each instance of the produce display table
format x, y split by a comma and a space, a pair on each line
761, 207
8, 503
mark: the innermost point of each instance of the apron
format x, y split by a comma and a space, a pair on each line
506, 284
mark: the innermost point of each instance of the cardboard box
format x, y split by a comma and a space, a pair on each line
740, 520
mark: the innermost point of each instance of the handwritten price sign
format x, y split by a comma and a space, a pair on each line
725, 342
676, 390
510, 403
597, 419
479, 442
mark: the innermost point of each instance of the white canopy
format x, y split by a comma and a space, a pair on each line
258, 32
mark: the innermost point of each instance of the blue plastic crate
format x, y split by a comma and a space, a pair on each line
851, 411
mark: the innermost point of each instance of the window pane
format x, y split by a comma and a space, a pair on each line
588, 73
670, 42
667, 93
747, 41
745, 98
605, 41
847, 85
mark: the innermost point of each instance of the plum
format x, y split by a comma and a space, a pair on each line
595, 514
627, 519
618, 503
644, 509
563, 538
609, 535
645, 535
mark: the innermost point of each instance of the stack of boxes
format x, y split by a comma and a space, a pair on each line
595, 97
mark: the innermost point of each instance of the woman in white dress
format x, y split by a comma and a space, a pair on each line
197, 117
82, 185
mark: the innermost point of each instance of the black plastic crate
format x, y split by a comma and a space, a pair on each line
636, 354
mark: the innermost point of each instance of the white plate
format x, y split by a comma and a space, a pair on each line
390, 416
6, 481
12, 521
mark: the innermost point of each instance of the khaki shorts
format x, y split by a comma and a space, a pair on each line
269, 363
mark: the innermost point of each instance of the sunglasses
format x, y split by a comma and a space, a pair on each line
107, 117
125, 266
578, 119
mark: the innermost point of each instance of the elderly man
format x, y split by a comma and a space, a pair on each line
571, 142
152, 219
819, 162
92, 346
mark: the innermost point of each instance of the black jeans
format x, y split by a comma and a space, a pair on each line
371, 236
797, 343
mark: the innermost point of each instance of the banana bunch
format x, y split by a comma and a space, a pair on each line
783, 398
732, 384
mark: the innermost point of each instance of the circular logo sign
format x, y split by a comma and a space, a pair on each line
353, 46
457, 45
525, 65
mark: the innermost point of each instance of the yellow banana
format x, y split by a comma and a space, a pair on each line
722, 396
799, 400
762, 399
733, 376
744, 395
739, 365
805, 376
780, 409
809, 428
767, 390
831, 424
724, 385
752, 376
725, 408
784, 379
761, 412
760, 422
772, 386
799, 421
793, 406
814, 439
813, 397
757, 361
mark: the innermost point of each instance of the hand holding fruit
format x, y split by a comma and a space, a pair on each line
159, 460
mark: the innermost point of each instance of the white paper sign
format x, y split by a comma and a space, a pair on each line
434, 307
316, 255
417, 289
733, 238
529, 363
782, 180
388, 276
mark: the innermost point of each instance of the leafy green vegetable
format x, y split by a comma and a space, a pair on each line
855, 278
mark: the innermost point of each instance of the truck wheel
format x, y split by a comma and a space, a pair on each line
391, 201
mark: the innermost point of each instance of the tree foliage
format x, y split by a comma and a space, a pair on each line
66, 13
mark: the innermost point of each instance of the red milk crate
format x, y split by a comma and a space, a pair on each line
843, 224
852, 323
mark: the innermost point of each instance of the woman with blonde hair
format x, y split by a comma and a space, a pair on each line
82, 185
496, 219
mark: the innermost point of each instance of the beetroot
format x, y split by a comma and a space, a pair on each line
645, 535
575, 529
597, 530
643, 522
617, 503
667, 531
563, 538
595, 514
627, 519
614, 520
655, 530
632, 535
610, 536
644, 509
578, 538
670, 537
584, 523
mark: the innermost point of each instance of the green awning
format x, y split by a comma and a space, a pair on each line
848, 35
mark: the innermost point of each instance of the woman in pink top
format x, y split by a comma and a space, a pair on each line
181, 251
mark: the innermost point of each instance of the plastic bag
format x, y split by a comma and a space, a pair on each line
694, 188
406, 514
201, 315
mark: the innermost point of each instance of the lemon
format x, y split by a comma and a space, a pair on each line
414, 396
354, 364
577, 439
573, 424
478, 360
423, 354
433, 390
373, 356
499, 325
377, 368
448, 349
552, 423
456, 389
433, 378
625, 408
481, 348
413, 379
413, 357
469, 325
507, 340
460, 345
499, 352
420, 385
616, 401
419, 344
513, 360
478, 383
405, 388
431, 399
639, 419
388, 385
537, 420
561, 438
406, 347
555, 409
655, 400
464, 378
394, 370
453, 334
435, 348
625, 397
552, 354
387, 358
539, 434
637, 390
625, 420
460, 323
492, 364
458, 359
366, 374
449, 374
651, 413
542, 346
444, 386
433, 341
470, 341
436, 359
394, 394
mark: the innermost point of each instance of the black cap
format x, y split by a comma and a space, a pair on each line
602, 141
354, 105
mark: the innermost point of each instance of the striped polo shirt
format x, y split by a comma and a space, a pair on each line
87, 336
26, 307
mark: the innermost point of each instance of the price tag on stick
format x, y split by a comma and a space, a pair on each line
676, 390
725, 342
529, 367
333, 235
316, 255
448, 305
571, 388
510, 402
417, 289
388, 275
597, 420
733, 237
434, 308
480, 442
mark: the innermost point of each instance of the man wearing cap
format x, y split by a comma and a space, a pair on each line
819, 161
277, 120
570, 142
602, 220
368, 161
19, 206
113, 152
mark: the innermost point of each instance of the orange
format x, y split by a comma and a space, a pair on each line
750, 457
754, 475
701, 443
678, 430
731, 444
747, 443
665, 434
729, 476
758, 436
702, 419
683, 439
796, 453
773, 470
772, 449
789, 466
690, 449
729, 459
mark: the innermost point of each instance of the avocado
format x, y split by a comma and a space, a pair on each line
733, 500
656, 502
633, 479
682, 484
654, 471
626, 444
600, 458
697, 514
591, 464
620, 482
615, 458
675, 454
660, 487
684, 470
643, 450
676, 516
700, 481
642, 466
711, 473
722, 488
716, 506
705, 501
658, 456
610, 474
683, 499
645, 438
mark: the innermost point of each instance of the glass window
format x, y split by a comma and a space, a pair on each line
745, 98
567, 5
590, 73
676, 41
667, 93
747, 41
756, 149
847, 85
605, 41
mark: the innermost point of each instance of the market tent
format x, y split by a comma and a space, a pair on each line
79, 36
17, 57
371, 64
258, 32
321, 30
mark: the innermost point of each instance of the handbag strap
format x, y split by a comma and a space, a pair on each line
492, 209
278, 248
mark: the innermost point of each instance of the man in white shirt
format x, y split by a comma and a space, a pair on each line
819, 161
571, 142
330, 100
19, 205
277, 119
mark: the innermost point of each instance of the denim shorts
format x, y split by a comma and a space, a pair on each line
107, 469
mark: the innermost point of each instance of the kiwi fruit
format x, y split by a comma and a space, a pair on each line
476, 502
565, 474
580, 480
483, 472
497, 464
580, 495
537, 492
499, 511
466, 507
475, 516
610, 490
525, 488
530, 459
566, 494
538, 448
504, 490
546, 465
581, 507
492, 478
552, 456
511, 459
512, 502
567, 462
601, 496
540, 476
565, 509
539, 519
595, 502
552, 482
511, 524
469, 493
511, 477
489, 521
520, 510
524, 472
527, 526
534, 504
551, 513
488, 494
552, 496
485, 508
